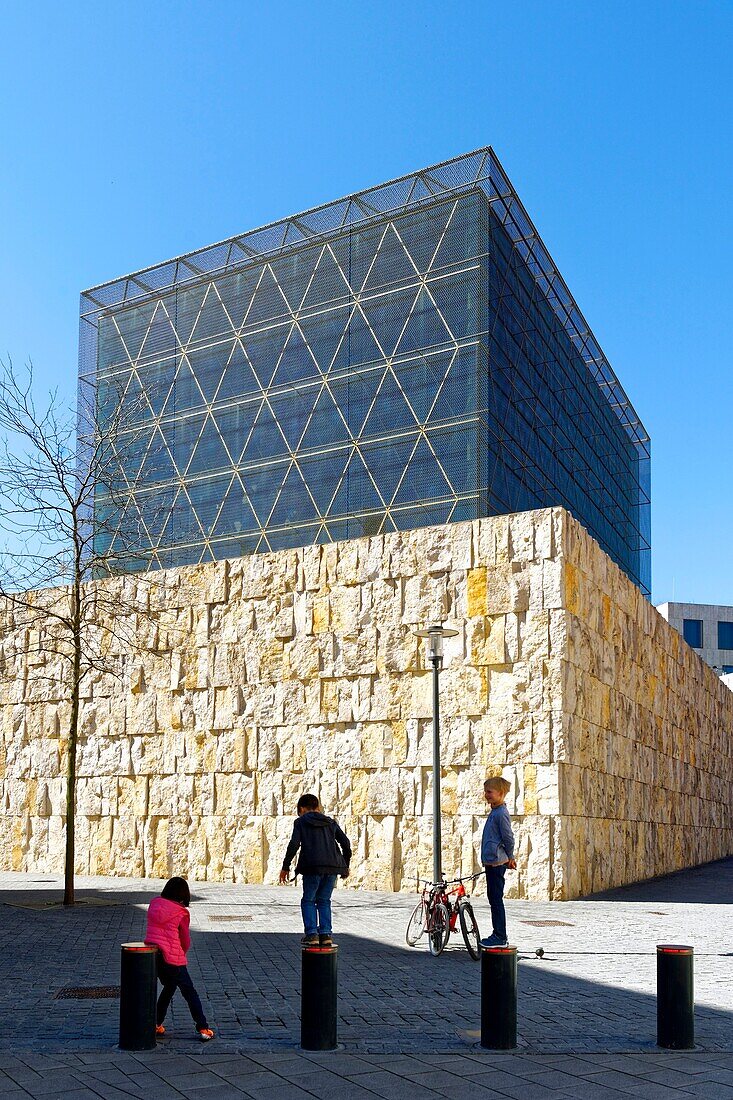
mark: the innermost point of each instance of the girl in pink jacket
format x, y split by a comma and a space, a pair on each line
168, 928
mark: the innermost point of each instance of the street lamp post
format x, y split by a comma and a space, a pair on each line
435, 633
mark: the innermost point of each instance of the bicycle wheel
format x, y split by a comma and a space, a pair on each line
438, 928
416, 924
469, 928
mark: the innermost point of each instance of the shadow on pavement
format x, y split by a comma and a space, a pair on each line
707, 884
391, 998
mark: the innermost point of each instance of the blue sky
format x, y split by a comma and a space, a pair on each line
131, 133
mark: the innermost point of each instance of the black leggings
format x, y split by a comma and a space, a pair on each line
173, 978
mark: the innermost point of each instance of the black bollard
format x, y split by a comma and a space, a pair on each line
499, 998
675, 1006
318, 998
138, 989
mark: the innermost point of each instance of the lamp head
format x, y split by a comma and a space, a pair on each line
435, 633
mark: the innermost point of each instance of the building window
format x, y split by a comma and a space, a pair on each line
692, 632
727, 669
725, 635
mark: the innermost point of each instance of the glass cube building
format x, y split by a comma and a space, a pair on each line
405, 356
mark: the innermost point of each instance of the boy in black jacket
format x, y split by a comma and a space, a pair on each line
325, 853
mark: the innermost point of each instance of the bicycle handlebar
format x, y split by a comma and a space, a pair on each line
450, 882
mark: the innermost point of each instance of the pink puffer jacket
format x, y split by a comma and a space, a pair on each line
168, 924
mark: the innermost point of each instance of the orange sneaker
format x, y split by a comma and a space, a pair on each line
205, 1033
159, 1029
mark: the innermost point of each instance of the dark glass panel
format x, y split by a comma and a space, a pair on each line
424, 515
456, 296
156, 380
725, 635
212, 320
355, 395
235, 423
235, 515
421, 233
160, 339
322, 473
289, 537
236, 292
157, 464
111, 348
292, 409
206, 498
423, 479
209, 364
268, 302
355, 252
261, 485
294, 505
236, 546
387, 315
356, 492
210, 453
391, 263
187, 308
358, 346
266, 440
420, 379
155, 511
391, 412
324, 333
457, 451
296, 362
424, 328
294, 272
186, 393
326, 426
239, 379
264, 350
183, 434
329, 282
387, 462
457, 396
133, 326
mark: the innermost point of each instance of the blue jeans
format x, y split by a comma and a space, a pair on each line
315, 905
495, 889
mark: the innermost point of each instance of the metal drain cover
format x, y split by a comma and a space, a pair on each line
548, 923
229, 916
87, 992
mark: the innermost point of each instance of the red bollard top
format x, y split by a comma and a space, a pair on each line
674, 949
499, 950
316, 949
139, 946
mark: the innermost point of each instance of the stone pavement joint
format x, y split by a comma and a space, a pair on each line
408, 1023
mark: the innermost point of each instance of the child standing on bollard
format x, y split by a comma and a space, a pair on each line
168, 924
497, 854
325, 853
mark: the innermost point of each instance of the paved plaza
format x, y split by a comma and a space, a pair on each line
408, 1023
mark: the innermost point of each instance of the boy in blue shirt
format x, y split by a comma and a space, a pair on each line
497, 853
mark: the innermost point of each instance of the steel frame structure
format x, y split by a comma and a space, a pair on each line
404, 356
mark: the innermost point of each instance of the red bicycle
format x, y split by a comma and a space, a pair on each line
439, 911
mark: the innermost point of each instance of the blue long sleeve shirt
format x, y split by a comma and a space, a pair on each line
497, 841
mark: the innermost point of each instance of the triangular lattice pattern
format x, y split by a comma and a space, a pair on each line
310, 397
408, 355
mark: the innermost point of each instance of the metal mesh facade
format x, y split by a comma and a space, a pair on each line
404, 357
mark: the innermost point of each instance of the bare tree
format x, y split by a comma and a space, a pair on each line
65, 484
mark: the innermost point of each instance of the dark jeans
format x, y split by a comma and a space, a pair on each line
495, 890
315, 905
173, 978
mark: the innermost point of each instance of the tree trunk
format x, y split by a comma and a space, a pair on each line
73, 738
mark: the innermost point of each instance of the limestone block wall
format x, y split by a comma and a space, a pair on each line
645, 755
257, 679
